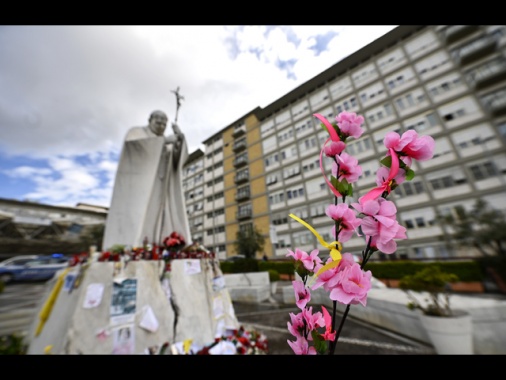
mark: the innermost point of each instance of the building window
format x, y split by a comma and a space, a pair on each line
280, 218
483, 171
442, 183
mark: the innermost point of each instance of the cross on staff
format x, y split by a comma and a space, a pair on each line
178, 102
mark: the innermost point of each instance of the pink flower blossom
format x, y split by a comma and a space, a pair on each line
334, 148
301, 347
411, 145
380, 223
328, 279
347, 260
349, 124
347, 221
302, 295
309, 261
313, 321
348, 168
353, 287
328, 334
296, 327
383, 172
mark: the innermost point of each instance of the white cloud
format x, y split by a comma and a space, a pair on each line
68, 94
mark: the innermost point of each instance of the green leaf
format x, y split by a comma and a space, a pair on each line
334, 181
319, 343
410, 174
343, 186
387, 161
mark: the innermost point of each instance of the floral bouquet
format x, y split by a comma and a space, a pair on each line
238, 342
174, 242
372, 217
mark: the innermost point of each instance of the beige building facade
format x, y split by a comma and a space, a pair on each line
445, 81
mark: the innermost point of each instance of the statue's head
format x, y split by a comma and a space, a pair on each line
158, 122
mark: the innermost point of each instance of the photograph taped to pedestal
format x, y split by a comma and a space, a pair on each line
192, 266
124, 301
123, 340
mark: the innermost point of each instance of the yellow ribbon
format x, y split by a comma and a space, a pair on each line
186, 345
48, 305
334, 252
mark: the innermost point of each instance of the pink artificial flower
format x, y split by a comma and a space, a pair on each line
302, 295
297, 255
296, 327
328, 279
313, 321
411, 145
383, 173
388, 246
349, 124
348, 168
347, 260
328, 334
381, 224
309, 261
346, 219
331, 277
388, 180
330, 128
353, 287
301, 347
334, 148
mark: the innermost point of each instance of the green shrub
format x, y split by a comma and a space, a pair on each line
12, 344
435, 282
283, 267
273, 275
239, 266
466, 271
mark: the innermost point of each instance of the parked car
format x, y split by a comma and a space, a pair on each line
32, 267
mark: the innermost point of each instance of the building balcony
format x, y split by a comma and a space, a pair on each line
242, 195
239, 131
456, 32
491, 76
240, 161
497, 107
241, 178
477, 49
243, 214
239, 145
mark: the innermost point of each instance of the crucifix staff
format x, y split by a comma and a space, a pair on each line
178, 102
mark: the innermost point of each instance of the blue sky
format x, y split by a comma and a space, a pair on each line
68, 94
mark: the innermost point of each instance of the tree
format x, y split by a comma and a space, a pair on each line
483, 227
249, 241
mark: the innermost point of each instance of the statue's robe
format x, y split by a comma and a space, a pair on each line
148, 199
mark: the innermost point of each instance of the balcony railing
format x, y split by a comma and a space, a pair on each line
240, 161
497, 106
239, 131
243, 214
456, 32
241, 178
477, 49
239, 145
489, 76
242, 195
